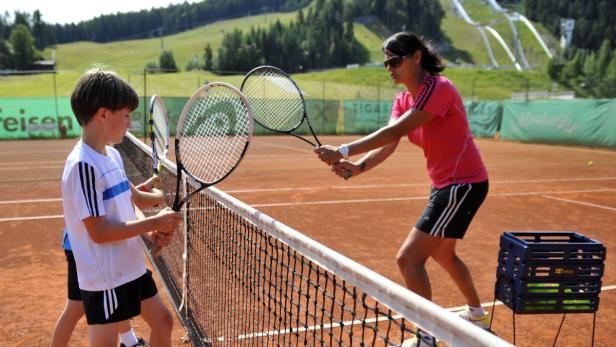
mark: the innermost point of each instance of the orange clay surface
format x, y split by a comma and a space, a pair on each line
532, 188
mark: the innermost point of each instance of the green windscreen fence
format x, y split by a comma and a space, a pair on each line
32, 118
484, 117
579, 122
363, 116
576, 122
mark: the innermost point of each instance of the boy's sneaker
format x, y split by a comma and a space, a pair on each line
421, 339
482, 321
140, 343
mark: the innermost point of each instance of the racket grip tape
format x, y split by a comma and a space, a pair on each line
156, 250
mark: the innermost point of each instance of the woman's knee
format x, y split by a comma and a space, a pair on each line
406, 260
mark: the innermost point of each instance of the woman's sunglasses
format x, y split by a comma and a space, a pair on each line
394, 61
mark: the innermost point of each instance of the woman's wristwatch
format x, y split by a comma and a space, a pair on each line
344, 151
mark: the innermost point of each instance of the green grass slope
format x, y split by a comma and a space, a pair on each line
467, 38
129, 57
133, 54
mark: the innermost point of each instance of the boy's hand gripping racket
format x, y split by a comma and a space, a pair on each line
212, 136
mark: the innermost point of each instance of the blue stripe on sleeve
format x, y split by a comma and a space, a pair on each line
115, 190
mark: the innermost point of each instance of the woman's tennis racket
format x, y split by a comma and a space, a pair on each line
212, 136
276, 101
159, 132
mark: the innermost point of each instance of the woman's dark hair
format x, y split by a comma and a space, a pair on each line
405, 43
98, 88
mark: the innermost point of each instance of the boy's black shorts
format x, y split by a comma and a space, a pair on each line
451, 209
72, 283
120, 303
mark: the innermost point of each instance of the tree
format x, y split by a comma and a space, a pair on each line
573, 68
555, 67
608, 85
166, 62
207, 58
38, 30
151, 66
6, 58
21, 18
604, 58
193, 64
23, 46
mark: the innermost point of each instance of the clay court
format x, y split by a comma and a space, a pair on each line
533, 187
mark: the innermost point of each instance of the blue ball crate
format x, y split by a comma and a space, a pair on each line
549, 272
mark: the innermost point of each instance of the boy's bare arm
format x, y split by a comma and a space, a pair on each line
145, 199
102, 230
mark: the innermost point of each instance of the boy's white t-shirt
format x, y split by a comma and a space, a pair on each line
95, 185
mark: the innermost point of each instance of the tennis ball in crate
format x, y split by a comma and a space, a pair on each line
542, 288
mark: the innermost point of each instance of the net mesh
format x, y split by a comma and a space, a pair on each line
239, 278
275, 100
215, 129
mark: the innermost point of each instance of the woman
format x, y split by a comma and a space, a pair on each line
431, 113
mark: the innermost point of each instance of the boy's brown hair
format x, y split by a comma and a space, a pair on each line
98, 88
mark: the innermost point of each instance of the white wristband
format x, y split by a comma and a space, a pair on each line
344, 151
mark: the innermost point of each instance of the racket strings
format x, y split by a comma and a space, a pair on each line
160, 128
214, 135
275, 100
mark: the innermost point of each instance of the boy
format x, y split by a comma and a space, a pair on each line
100, 219
73, 309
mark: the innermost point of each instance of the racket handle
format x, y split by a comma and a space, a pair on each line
155, 251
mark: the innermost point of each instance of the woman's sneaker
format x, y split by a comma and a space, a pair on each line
482, 321
421, 339
140, 342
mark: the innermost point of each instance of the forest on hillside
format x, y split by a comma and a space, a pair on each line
322, 38
594, 19
588, 66
145, 23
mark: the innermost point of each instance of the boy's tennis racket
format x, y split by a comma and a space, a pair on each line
159, 132
212, 135
276, 101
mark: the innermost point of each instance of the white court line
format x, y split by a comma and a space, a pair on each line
16, 152
19, 219
283, 146
59, 162
580, 203
403, 185
560, 147
30, 201
30, 167
353, 201
422, 197
359, 322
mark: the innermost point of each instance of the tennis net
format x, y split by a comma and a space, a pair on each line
237, 277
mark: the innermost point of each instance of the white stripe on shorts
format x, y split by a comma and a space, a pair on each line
110, 302
450, 211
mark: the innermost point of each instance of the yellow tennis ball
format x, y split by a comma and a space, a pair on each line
590, 162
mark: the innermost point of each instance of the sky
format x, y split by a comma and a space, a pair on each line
67, 11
